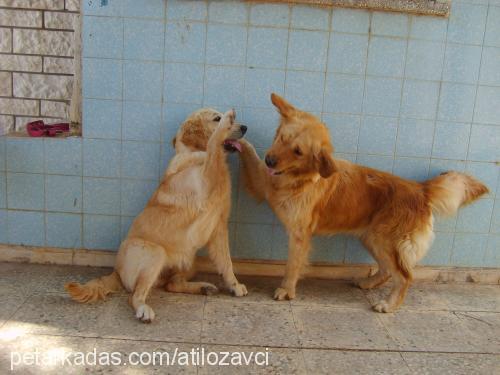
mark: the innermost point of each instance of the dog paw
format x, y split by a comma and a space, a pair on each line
383, 307
145, 313
239, 290
281, 294
209, 289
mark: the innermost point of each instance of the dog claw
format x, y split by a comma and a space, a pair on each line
209, 290
282, 294
239, 290
382, 307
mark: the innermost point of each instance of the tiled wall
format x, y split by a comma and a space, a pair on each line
407, 94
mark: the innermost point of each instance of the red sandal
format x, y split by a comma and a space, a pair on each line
39, 129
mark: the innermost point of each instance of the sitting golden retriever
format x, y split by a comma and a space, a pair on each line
188, 211
313, 193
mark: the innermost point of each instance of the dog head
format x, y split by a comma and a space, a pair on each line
194, 133
301, 145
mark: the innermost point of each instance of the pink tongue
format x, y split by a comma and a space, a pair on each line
234, 143
271, 171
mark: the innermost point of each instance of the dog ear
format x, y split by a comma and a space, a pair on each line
173, 141
284, 108
325, 164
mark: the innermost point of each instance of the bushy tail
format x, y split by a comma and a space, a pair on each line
95, 289
451, 190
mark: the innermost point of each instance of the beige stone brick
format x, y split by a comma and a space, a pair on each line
5, 40
5, 84
6, 124
20, 17
58, 65
11, 106
41, 86
21, 63
54, 109
20, 124
60, 20
73, 5
33, 4
43, 42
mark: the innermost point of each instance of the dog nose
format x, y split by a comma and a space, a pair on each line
270, 161
243, 129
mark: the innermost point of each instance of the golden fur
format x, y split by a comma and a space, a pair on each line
313, 193
188, 211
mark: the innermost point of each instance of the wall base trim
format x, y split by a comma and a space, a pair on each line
102, 258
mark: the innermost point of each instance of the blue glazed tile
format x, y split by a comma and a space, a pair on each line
356, 253
183, 83
24, 155
492, 256
312, 18
439, 166
253, 241
141, 121
63, 156
492, 27
350, 21
461, 63
415, 137
420, 99
25, 191
347, 53
228, 12
344, 130
467, 23
487, 173
469, 249
440, 252
3, 227
251, 211
260, 83
475, 217
386, 56
276, 15
102, 78
389, 24
185, 42
3, 161
102, 118
495, 218
63, 193
343, 93
101, 196
487, 110
279, 249
101, 232
97, 8
173, 116
412, 168
345, 156
186, 10
456, 102
142, 81
226, 45
267, 47
377, 135
330, 249
484, 143
382, 163
3, 190
224, 86
26, 228
307, 50
64, 230
101, 158
424, 60
429, 28
383, 96
143, 39
135, 194
126, 223
102, 37
445, 224
141, 160
143, 9
305, 89
490, 73
451, 140
262, 124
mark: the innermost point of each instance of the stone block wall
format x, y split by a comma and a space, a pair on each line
37, 46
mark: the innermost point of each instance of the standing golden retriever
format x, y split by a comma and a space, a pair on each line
313, 193
188, 211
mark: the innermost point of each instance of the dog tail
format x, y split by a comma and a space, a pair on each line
95, 289
449, 191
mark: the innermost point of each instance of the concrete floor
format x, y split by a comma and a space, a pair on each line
329, 328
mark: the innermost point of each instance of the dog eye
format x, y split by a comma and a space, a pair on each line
297, 151
217, 119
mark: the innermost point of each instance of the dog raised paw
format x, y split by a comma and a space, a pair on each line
281, 294
145, 313
239, 290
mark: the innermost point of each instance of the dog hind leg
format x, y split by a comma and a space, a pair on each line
179, 284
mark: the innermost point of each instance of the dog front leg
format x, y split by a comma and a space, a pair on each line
254, 171
299, 246
218, 251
